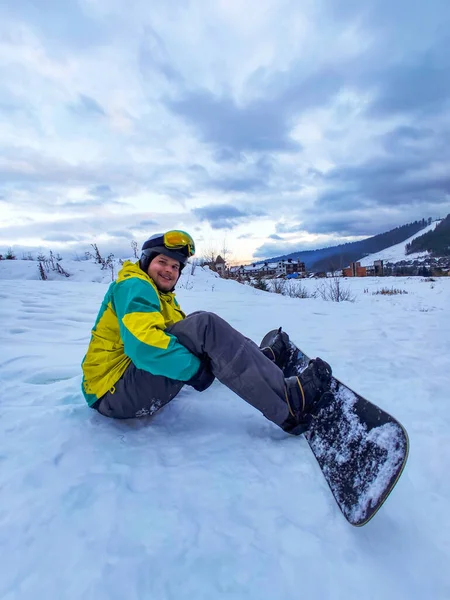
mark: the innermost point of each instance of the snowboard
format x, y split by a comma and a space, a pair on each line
361, 449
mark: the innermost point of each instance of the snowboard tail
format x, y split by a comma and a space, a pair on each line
361, 449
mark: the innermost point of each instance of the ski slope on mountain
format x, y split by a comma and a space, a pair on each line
207, 499
397, 253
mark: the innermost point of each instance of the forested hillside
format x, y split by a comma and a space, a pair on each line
437, 242
337, 257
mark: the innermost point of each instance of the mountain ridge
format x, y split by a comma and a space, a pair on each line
337, 257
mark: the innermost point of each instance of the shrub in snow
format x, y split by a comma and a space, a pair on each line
278, 286
97, 256
333, 290
297, 290
134, 245
106, 263
61, 271
42, 273
389, 292
261, 284
51, 263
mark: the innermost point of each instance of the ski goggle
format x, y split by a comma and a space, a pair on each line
176, 240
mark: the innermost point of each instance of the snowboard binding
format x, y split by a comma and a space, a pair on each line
308, 418
277, 347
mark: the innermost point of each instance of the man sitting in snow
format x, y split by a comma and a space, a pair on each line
144, 349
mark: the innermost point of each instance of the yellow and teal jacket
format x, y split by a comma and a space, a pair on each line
130, 327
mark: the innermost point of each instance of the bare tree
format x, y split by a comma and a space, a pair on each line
209, 256
134, 245
225, 253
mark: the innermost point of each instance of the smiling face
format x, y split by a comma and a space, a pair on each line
164, 271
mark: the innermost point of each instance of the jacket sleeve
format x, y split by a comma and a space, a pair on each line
142, 329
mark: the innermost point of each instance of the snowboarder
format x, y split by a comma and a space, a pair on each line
144, 349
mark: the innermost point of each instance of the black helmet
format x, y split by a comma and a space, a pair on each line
174, 244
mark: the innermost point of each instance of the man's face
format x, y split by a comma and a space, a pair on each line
164, 271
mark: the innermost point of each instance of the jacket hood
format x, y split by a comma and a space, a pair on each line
131, 269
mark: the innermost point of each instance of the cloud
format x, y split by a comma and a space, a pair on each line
61, 237
387, 181
27, 166
153, 55
269, 249
325, 120
263, 124
226, 155
406, 139
65, 28
247, 175
289, 227
225, 216
409, 89
74, 205
117, 233
82, 229
85, 106
239, 184
147, 223
219, 121
103, 190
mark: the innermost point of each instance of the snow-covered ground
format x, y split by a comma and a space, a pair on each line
397, 253
207, 499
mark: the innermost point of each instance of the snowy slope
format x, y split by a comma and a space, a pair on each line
397, 252
79, 270
207, 499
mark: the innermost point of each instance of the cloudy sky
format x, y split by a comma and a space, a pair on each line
266, 126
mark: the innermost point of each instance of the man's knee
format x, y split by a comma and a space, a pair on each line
205, 317
201, 314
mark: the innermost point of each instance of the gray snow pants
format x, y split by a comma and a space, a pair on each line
236, 361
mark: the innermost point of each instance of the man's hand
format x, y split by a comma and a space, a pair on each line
203, 378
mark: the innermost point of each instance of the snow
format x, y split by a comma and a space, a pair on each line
207, 499
397, 253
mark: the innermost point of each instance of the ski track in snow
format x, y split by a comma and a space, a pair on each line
207, 499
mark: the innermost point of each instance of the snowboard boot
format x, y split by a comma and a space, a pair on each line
275, 345
306, 394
